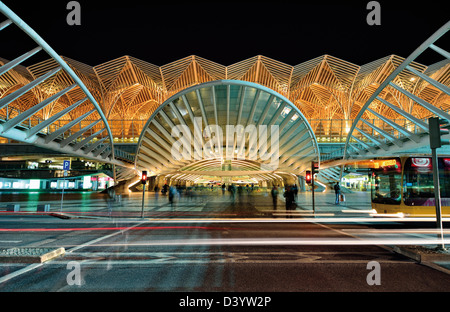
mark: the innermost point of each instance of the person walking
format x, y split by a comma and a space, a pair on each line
165, 188
295, 190
274, 194
290, 200
172, 193
337, 191
232, 190
156, 189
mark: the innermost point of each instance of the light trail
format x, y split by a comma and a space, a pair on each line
311, 219
394, 231
111, 228
371, 211
282, 242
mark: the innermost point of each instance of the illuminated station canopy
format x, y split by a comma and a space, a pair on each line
226, 129
379, 108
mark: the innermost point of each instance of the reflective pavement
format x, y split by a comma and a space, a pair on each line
204, 203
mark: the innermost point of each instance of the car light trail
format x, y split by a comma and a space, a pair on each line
113, 228
311, 219
282, 242
394, 231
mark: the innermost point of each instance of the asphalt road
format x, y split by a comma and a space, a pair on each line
190, 256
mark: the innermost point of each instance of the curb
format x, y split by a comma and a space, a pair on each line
422, 256
428, 259
69, 216
30, 255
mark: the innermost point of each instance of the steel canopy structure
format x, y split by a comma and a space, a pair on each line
412, 92
373, 139
46, 87
327, 90
243, 129
379, 108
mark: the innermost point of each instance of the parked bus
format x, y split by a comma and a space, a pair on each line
405, 185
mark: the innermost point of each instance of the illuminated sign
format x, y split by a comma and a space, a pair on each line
35, 184
87, 182
421, 162
446, 162
384, 163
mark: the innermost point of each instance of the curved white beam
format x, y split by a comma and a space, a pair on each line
6, 128
399, 142
201, 107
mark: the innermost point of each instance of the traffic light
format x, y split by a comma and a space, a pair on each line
308, 176
144, 177
315, 167
436, 131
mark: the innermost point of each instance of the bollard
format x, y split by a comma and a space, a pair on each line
13, 207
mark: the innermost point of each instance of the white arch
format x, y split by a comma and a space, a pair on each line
93, 146
372, 146
218, 104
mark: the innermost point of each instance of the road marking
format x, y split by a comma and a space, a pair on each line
104, 237
122, 258
36, 265
40, 243
20, 272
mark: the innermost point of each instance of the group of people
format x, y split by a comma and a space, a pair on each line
171, 191
239, 190
290, 195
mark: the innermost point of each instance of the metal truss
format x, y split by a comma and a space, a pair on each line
325, 88
394, 118
329, 175
50, 106
319, 88
215, 105
65, 105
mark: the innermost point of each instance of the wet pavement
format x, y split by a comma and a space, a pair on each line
199, 204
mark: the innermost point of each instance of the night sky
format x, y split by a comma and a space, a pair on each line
292, 32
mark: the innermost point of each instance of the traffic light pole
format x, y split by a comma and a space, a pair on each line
437, 195
143, 199
314, 170
143, 181
312, 192
435, 132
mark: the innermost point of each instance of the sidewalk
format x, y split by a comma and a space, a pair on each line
426, 255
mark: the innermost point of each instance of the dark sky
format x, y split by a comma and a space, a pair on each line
226, 32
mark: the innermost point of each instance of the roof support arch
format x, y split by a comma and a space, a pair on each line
263, 133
